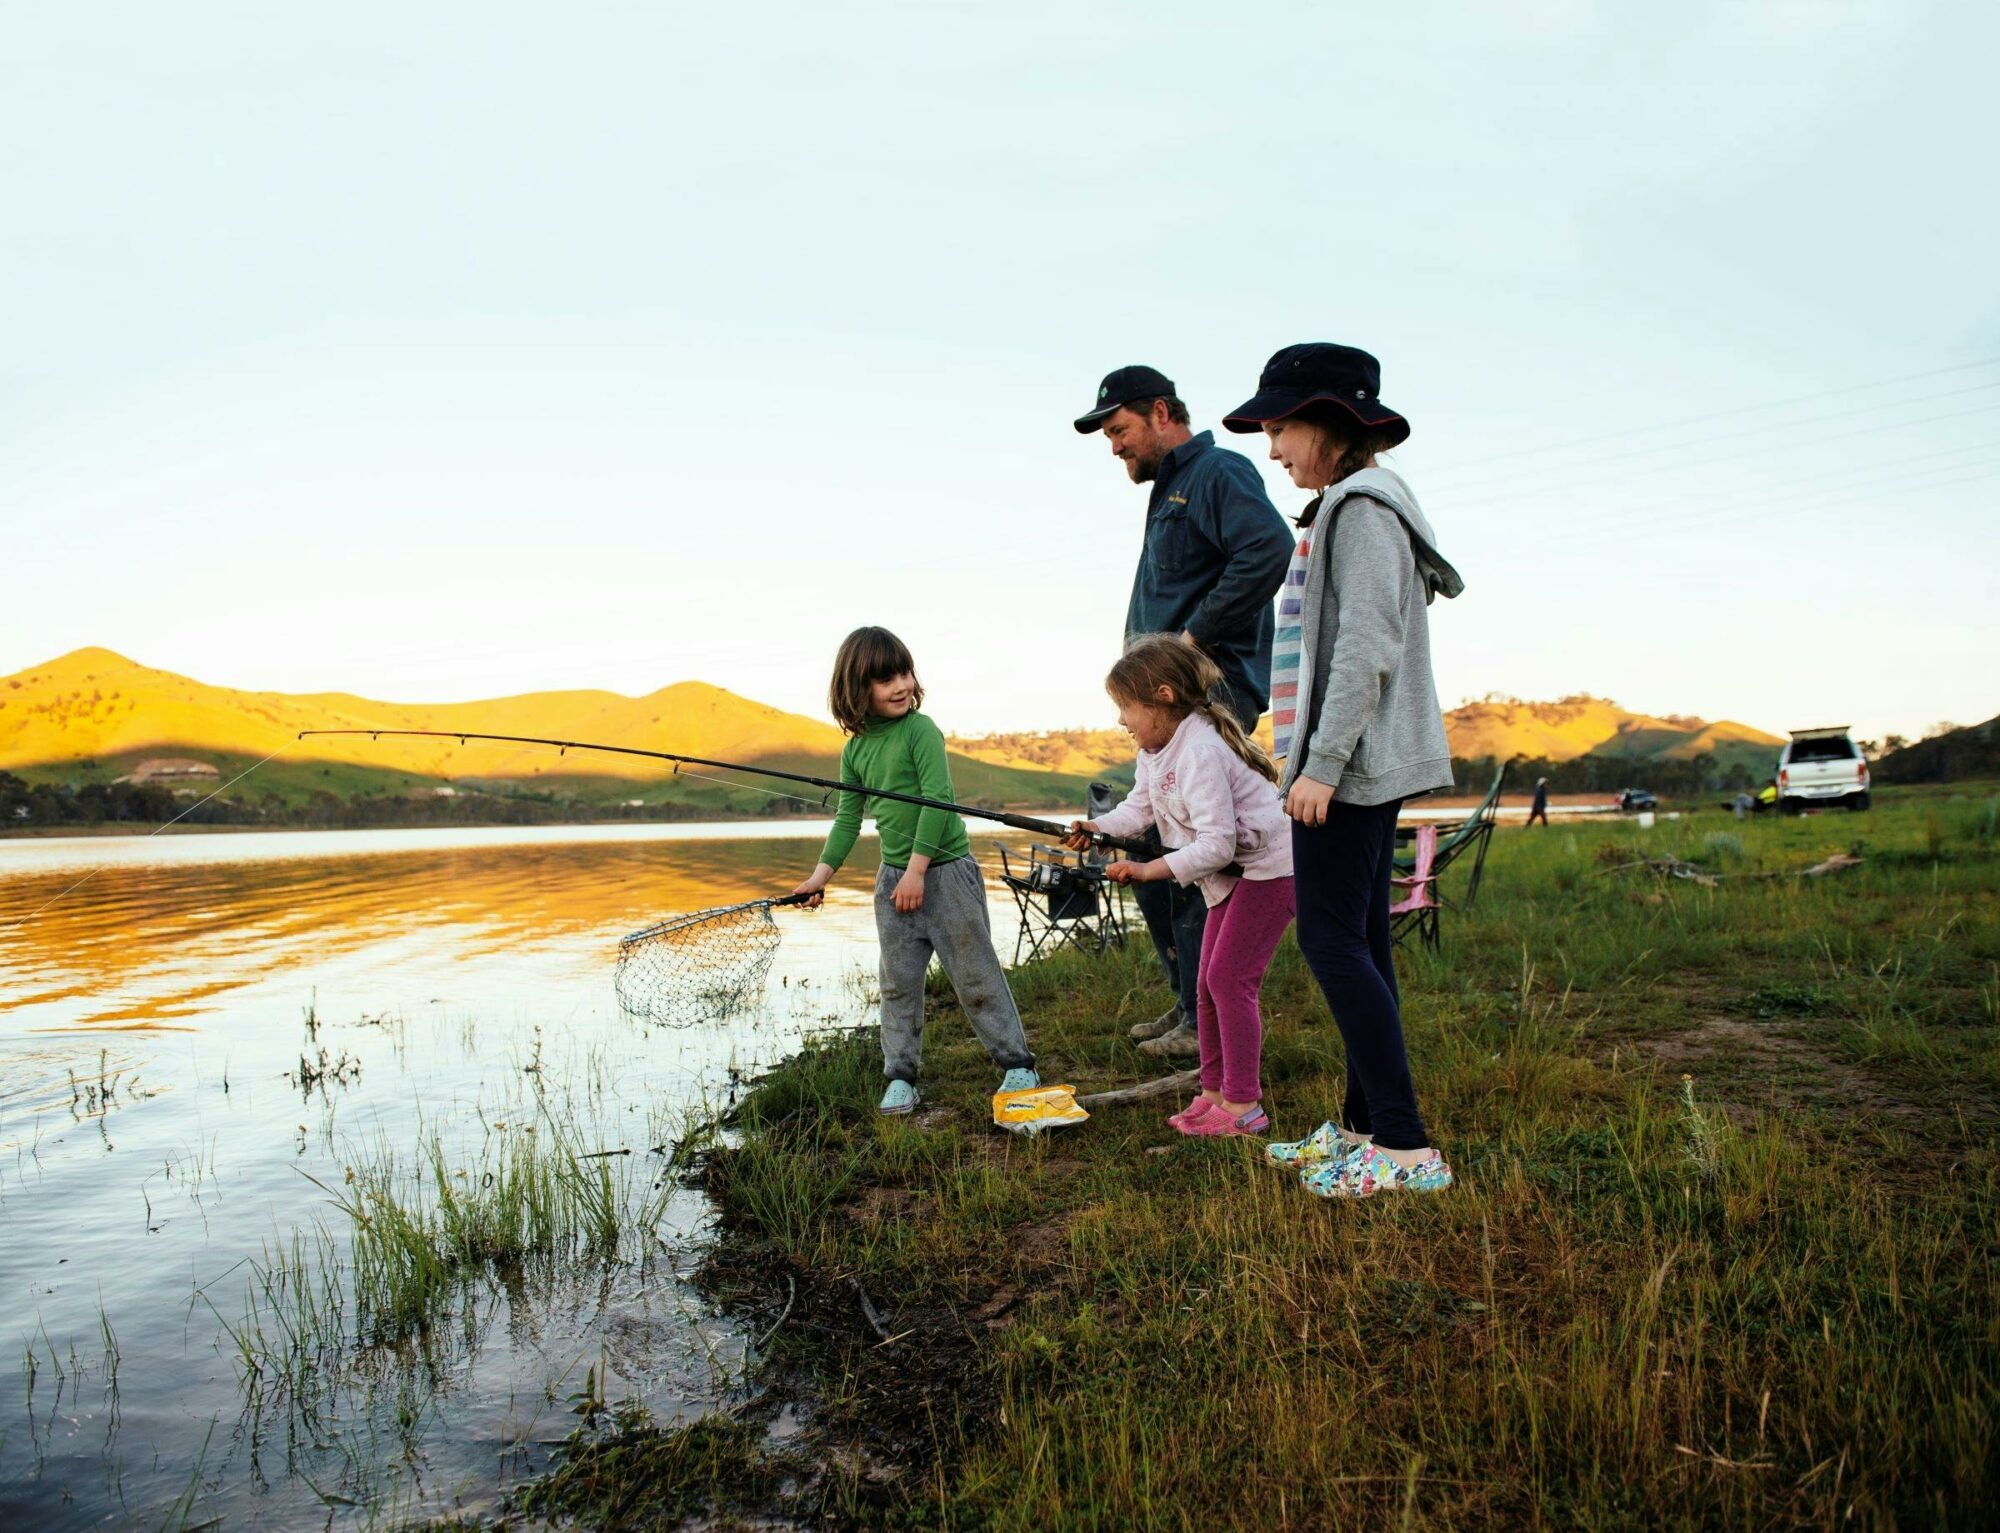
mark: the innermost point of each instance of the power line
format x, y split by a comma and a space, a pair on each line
1695, 420
1830, 482
1753, 515
1542, 492
1810, 420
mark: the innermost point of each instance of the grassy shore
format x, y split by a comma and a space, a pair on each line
1722, 1252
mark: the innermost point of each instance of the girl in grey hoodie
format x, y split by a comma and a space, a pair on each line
1355, 716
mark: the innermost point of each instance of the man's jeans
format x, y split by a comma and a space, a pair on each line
1176, 915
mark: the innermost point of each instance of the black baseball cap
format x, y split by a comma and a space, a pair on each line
1119, 388
1319, 370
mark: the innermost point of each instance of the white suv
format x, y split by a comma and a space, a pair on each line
1821, 766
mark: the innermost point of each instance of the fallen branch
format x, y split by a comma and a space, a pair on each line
1165, 1085
868, 1310
1673, 867
1669, 867
603, 1154
791, 1296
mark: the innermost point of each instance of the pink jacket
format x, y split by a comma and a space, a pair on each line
1211, 810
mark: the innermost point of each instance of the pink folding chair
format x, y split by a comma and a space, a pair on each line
1419, 905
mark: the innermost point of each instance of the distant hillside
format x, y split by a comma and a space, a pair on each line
1956, 755
1593, 726
1084, 752
92, 716
1558, 731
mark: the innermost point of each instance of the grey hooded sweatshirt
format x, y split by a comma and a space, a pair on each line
1369, 715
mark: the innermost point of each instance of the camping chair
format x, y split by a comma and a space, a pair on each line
1422, 906
1418, 908
1065, 901
1063, 896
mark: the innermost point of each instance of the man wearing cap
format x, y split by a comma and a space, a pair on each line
1214, 555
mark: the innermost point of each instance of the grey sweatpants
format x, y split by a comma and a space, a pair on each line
953, 923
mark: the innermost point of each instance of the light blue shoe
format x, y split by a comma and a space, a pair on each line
899, 1098
1022, 1078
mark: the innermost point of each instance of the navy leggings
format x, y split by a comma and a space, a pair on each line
1341, 871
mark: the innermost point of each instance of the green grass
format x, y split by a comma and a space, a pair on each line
1722, 1253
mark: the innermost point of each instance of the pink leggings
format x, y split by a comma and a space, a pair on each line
1236, 947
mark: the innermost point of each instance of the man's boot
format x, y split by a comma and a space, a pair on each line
1181, 1042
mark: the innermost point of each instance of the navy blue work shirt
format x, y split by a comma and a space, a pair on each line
1216, 552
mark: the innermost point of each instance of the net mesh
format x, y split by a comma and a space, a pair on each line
699, 967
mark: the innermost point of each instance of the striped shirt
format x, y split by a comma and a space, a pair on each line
1286, 644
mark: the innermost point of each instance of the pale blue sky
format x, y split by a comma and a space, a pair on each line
442, 351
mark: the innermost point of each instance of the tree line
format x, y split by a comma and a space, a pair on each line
45, 804
1609, 775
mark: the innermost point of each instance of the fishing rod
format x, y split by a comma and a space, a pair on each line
1012, 821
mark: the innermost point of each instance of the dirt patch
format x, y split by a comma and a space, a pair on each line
1041, 1245
1711, 1036
1778, 1069
884, 1205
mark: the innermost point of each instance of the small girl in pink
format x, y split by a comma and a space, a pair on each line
1212, 794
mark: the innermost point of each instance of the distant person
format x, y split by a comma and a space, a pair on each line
1353, 650
1211, 793
1539, 810
1214, 556
930, 896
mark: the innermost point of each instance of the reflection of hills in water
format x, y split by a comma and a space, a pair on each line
159, 943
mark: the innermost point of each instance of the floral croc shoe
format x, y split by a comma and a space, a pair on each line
1369, 1171
1325, 1145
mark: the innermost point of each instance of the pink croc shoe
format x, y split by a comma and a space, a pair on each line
1217, 1124
1195, 1109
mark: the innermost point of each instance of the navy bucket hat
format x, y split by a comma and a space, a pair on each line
1315, 372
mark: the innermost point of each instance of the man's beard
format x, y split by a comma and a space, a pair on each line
1144, 470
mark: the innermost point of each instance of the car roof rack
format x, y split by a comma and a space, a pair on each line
1824, 732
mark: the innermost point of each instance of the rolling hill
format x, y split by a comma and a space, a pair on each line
1558, 731
93, 716
1957, 755
1593, 726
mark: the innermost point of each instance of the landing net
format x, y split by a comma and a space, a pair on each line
699, 967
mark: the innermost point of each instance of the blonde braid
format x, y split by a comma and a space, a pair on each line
1253, 755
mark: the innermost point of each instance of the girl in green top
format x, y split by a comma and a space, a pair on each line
930, 896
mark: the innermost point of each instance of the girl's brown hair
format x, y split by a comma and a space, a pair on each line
867, 655
1353, 445
1156, 660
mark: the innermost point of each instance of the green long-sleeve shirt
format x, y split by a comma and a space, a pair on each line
904, 755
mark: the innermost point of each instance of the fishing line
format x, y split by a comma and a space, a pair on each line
750, 787
191, 808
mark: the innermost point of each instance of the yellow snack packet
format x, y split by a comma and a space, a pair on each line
1036, 1109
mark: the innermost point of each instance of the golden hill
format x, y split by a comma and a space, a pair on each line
94, 704
1558, 731
94, 713
1592, 726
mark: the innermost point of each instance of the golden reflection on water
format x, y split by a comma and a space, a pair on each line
158, 943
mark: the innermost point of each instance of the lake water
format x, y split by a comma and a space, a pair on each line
204, 1038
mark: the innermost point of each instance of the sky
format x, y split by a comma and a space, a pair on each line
452, 351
